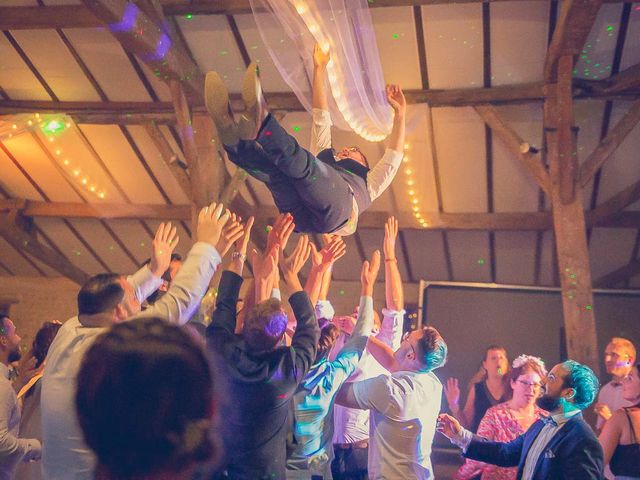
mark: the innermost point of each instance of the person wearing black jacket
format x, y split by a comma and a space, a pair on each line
258, 376
559, 447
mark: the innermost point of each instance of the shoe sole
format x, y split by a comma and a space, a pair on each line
216, 98
251, 92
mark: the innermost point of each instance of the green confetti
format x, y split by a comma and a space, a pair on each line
189, 16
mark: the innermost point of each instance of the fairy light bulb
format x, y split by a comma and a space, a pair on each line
408, 171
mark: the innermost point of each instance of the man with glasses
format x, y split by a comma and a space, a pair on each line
619, 358
559, 447
324, 190
404, 404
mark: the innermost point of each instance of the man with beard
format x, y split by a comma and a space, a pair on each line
12, 448
559, 447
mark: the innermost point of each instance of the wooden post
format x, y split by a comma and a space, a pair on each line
569, 222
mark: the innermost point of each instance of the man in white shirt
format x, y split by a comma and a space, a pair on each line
323, 190
12, 449
619, 358
404, 405
351, 425
107, 299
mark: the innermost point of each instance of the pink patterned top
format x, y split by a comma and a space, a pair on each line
498, 424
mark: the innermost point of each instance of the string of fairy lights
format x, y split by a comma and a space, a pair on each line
52, 127
334, 74
412, 189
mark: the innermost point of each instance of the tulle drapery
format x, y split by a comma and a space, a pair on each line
356, 93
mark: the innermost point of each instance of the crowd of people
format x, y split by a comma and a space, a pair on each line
128, 390
132, 388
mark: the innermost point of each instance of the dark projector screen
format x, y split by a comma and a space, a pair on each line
523, 319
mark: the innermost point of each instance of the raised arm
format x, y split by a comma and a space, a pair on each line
186, 291
149, 278
321, 128
321, 262
381, 176
610, 435
394, 293
304, 343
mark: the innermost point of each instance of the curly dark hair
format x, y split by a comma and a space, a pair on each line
43, 339
144, 400
328, 336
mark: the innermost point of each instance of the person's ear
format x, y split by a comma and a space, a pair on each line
3, 340
119, 313
570, 394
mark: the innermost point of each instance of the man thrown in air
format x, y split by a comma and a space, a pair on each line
324, 190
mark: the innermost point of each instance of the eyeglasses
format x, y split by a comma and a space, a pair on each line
405, 338
354, 149
535, 385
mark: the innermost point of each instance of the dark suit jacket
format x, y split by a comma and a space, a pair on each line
255, 390
573, 453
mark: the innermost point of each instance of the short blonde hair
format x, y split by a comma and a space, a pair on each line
627, 345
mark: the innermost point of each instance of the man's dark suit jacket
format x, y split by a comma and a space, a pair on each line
573, 453
255, 390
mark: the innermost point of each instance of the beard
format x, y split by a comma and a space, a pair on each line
548, 403
14, 355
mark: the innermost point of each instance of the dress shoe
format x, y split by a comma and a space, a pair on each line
216, 98
256, 106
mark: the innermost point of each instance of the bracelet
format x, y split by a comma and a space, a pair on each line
238, 255
390, 259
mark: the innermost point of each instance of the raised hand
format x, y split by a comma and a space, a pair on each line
396, 99
231, 233
26, 370
369, 273
448, 426
320, 57
164, 243
281, 231
452, 392
265, 268
211, 221
292, 264
332, 251
390, 236
243, 242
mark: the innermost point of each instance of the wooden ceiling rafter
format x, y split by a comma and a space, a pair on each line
619, 275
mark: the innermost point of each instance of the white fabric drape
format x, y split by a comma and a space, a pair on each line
356, 93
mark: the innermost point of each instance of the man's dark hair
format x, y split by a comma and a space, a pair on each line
101, 293
264, 325
144, 400
433, 349
584, 382
43, 339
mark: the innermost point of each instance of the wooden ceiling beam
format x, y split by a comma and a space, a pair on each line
574, 24
505, 221
19, 233
516, 144
149, 41
610, 143
615, 205
628, 79
135, 113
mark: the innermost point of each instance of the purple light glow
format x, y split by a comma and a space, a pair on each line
128, 21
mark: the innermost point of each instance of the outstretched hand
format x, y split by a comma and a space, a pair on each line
390, 236
333, 250
281, 231
370, 273
231, 233
320, 57
396, 98
452, 392
448, 426
164, 243
211, 221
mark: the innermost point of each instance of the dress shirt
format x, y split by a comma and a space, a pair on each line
378, 178
12, 449
552, 426
65, 455
352, 424
611, 395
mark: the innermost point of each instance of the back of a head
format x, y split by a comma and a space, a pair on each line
432, 349
144, 399
43, 339
101, 293
264, 325
328, 336
585, 383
